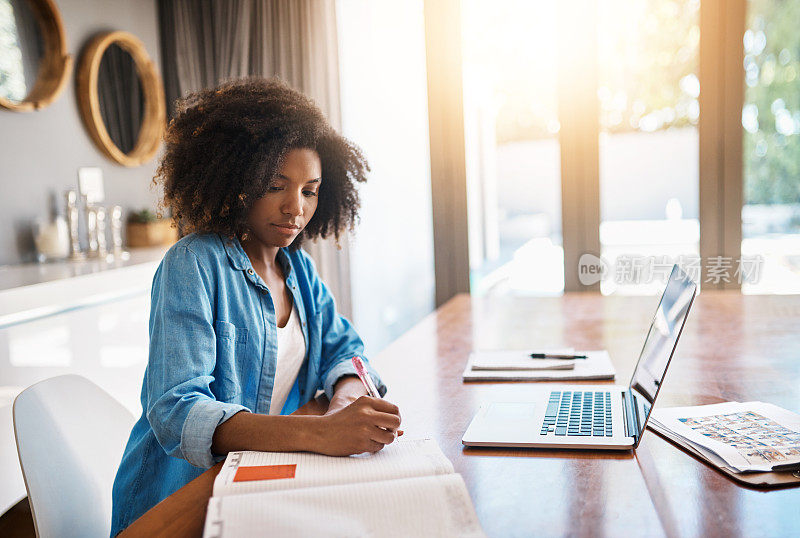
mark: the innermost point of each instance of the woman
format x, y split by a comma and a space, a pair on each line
242, 330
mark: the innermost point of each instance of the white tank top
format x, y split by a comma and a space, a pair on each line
291, 353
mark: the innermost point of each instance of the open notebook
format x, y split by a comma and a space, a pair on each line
407, 489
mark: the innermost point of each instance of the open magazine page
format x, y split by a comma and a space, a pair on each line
750, 436
691, 446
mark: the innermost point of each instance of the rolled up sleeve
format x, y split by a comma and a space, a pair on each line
198, 430
181, 408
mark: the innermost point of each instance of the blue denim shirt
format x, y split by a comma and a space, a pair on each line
213, 351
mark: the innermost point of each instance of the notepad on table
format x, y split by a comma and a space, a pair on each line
515, 359
596, 365
407, 489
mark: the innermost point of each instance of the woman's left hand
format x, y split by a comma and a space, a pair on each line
347, 390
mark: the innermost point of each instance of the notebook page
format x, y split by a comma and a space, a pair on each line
421, 506
289, 470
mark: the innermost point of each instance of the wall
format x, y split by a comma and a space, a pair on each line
384, 110
40, 152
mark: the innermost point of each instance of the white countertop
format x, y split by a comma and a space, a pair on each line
34, 290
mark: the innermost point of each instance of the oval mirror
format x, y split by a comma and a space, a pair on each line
34, 65
121, 98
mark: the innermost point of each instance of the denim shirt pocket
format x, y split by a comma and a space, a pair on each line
229, 369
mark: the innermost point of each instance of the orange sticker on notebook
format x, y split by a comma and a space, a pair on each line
264, 472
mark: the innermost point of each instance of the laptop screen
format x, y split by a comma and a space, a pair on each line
660, 344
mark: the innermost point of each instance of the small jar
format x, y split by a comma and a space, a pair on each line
51, 237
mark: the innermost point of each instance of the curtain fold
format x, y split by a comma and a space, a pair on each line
205, 42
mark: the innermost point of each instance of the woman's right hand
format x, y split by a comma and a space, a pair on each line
366, 425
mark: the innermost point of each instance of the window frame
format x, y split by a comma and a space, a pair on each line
720, 134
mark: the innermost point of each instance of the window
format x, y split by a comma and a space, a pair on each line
592, 109
771, 123
382, 60
647, 89
513, 155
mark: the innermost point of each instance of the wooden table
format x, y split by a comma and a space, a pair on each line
734, 347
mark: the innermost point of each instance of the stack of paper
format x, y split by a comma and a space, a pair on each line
736, 437
407, 489
517, 365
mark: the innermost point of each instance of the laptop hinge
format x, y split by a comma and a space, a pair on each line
631, 415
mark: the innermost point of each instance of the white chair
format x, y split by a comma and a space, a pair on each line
70, 438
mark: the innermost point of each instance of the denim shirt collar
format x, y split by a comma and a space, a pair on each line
239, 260
236, 254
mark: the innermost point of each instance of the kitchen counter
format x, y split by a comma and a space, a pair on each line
88, 318
35, 290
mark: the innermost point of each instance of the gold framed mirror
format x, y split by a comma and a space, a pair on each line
121, 98
34, 64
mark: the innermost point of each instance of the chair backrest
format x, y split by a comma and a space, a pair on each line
70, 438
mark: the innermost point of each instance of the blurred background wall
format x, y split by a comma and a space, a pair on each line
41, 151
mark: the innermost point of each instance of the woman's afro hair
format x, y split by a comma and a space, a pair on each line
225, 145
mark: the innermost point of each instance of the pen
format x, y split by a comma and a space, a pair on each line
367, 382
365, 378
556, 356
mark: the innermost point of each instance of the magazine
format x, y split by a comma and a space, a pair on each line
738, 437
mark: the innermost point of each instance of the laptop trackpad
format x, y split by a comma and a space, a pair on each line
500, 412
503, 423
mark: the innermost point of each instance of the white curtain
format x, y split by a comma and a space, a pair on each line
205, 42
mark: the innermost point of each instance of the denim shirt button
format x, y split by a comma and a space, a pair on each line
250, 271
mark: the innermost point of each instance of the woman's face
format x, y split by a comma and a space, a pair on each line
281, 214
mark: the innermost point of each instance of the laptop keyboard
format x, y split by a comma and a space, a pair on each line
576, 413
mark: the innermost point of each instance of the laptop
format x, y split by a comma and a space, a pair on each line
610, 417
